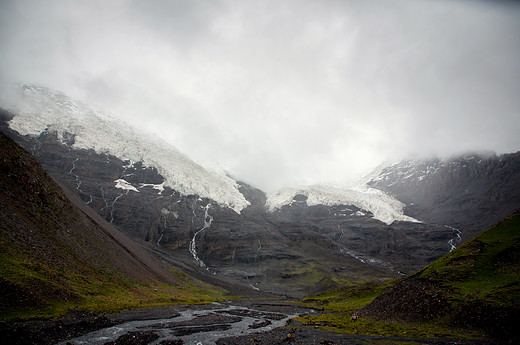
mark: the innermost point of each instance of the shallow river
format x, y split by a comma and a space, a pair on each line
201, 326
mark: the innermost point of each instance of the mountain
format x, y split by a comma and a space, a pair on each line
475, 286
294, 241
43, 110
57, 254
469, 192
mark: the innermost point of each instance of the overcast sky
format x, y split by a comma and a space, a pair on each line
283, 92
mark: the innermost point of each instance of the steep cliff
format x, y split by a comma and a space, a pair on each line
57, 254
470, 192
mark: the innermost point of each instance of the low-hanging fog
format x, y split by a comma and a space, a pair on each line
283, 92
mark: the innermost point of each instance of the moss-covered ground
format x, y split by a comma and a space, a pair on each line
340, 308
486, 269
42, 291
479, 282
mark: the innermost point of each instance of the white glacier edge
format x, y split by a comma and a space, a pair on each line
383, 207
38, 109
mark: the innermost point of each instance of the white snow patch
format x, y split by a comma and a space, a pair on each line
384, 207
158, 187
38, 109
124, 184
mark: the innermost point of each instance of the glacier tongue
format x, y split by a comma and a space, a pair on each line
384, 207
38, 109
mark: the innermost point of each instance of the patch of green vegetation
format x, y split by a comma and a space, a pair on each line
50, 311
301, 276
342, 322
480, 282
112, 298
202, 289
485, 269
342, 304
347, 298
49, 291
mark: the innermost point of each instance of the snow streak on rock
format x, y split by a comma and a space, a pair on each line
455, 239
158, 187
163, 222
40, 109
193, 246
123, 184
383, 207
78, 181
421, 170
110, 205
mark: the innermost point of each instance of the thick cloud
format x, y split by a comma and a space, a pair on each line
283, 92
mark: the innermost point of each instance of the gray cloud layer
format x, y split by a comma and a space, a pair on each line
283, 92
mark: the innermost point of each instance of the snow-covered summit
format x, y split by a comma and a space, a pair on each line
418, 171
38, 109
384, 207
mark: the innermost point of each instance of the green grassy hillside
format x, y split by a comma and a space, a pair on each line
474, 291
484, 271
54, 256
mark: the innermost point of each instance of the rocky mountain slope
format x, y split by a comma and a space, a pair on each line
41, 110
294, 241
475, 286
470, 192
56, 254
253, 247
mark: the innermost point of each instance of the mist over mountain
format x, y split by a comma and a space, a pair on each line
471, 192
294, 240
343, 156
283, 94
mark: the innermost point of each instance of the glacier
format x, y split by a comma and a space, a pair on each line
383, 207
38, 109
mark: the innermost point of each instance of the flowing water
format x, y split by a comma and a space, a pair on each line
193, 327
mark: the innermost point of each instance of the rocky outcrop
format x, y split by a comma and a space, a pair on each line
470, 192
400, 246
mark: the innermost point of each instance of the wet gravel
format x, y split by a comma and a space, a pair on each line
234, 323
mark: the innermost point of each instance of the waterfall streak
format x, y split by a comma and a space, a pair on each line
73, 165
110, 205
163, 230
192, 246
455, 240
114, 203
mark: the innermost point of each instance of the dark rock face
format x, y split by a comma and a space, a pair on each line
263, 250
471, 192
400, 246
297, 248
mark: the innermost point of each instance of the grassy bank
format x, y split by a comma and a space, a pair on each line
340, 314
39, 291
471, 292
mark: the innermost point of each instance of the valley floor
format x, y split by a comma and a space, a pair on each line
233, 322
